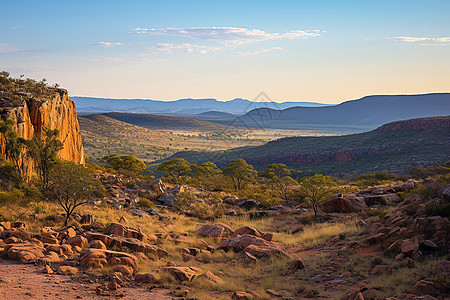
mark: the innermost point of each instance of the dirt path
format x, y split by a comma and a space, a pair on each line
20, 281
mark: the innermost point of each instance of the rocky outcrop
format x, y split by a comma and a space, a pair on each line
34, 116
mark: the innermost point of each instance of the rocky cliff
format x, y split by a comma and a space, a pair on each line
55, 112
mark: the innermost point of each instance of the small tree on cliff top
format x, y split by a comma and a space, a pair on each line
72, 185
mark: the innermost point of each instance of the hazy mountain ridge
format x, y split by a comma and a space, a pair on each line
395, 147
182, 106
367, 113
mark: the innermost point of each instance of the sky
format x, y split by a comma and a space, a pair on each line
319, 51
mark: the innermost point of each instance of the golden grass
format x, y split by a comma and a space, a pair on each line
316, 234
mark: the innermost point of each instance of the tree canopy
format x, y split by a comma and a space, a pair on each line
240, 172
125, 163
72, 185
175, 167
316, 189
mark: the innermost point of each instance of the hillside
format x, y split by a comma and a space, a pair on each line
352, 116
181, 106
157, 122
395, 147
103, 135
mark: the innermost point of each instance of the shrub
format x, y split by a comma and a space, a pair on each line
146, 203
13, 197
442, 210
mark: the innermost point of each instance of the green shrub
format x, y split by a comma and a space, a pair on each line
442, 210
146, 203
11, 197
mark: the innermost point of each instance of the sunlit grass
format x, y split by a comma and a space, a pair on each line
316, 234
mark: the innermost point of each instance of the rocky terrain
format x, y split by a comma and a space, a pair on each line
157, 259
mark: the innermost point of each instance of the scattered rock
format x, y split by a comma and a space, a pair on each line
181, 273
242, 296
77, 240
296, 264
67, 270
209, 276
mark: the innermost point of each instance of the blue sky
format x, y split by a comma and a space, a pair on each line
326, 51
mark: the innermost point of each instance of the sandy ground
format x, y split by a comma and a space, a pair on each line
21, 281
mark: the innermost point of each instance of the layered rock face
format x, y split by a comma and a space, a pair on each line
34, 116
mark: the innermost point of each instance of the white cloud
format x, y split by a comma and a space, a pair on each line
264, 50
183, 48
429, 40
234, 35
107, 44
7, 48
127, 60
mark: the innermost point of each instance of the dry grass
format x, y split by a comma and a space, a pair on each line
316, 234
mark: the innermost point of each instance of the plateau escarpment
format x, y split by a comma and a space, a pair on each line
395, 146
33, 114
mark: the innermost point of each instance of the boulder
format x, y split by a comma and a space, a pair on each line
248, 203
211, 231
296, 264
426, 287
445, 194
170, 196
254, 245
382, 199
67, 270
77, 240
408, 247
242, 296
24, 252
254, 232
128, 232
209, 276
442, 268
344, 205
97, 258
181, 273
97, 244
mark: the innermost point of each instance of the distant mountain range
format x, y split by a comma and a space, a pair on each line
396, 147
357, 115
182, 107
351, 116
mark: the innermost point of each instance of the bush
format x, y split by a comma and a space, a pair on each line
146, 203
14, 196
442, 210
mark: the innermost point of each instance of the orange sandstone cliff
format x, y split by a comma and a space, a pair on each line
56, 112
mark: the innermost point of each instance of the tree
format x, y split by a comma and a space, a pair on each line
44, 153
240, 173
175, 167
206, 169
316, 189
279, 179
14, 146
72, 185
125, 164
